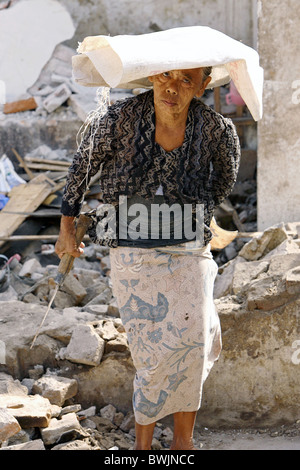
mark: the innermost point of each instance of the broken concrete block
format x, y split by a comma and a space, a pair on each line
74, 288
57, 98
29, 267
62, 299
103, 298
10, 386
119, 344
9, 294
67, 425
244, 273
85, 347
107, 331
9, 426
108, 412
36, 444
268, 294
56, 389
88, 413
30, 411
286, 247
97, 309
262, 245
75, 445
128, 422
80, 106
292, 280
223, 282
113, 309
19, 106
279, 265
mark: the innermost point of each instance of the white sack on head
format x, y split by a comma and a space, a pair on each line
126, 61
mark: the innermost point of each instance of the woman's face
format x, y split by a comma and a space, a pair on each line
174, 90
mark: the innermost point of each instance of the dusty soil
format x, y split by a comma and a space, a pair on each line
281, 438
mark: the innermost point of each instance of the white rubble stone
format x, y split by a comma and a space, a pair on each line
81, 106
259, 246
75, 445
57, 98
101, 309
58, 427
9, 426
9, 386
107, 331
108, 412
36, 444
30, 411
223, 282
29, 267
244, 273
9, 294
74, 288
85, 347
56, 389
91, 411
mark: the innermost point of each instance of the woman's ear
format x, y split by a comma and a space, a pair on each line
203, 87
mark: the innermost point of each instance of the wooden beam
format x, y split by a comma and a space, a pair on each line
23, 164
23, 198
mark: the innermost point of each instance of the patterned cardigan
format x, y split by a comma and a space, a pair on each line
123, 146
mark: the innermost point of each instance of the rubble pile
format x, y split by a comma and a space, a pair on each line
265, 274
37, 414
55, 90
81, 356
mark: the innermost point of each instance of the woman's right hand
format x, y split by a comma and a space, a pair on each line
66, 242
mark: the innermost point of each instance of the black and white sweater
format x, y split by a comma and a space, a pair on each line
202, 171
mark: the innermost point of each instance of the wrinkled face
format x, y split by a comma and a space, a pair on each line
174, 90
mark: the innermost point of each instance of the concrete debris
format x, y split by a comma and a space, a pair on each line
260, 246
56, 389
85, 347
30, 411
8, 425
57, 98
83, 342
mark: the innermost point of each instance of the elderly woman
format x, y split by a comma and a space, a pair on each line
162, 146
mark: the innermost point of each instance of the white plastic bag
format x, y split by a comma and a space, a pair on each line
8, 177
126, 61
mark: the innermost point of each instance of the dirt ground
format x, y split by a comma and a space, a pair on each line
281, 438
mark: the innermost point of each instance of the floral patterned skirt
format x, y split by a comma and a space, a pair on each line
166, 306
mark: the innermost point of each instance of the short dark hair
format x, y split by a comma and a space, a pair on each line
206, 72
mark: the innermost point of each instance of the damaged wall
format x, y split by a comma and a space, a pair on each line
278, 133
29, 32
236, 18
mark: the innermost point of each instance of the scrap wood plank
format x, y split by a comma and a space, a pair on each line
45, 166
24, 198
45, 160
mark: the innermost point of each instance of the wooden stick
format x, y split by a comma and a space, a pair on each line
46, 166
48, 161
23, 164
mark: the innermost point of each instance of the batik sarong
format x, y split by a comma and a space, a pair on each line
166, 305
